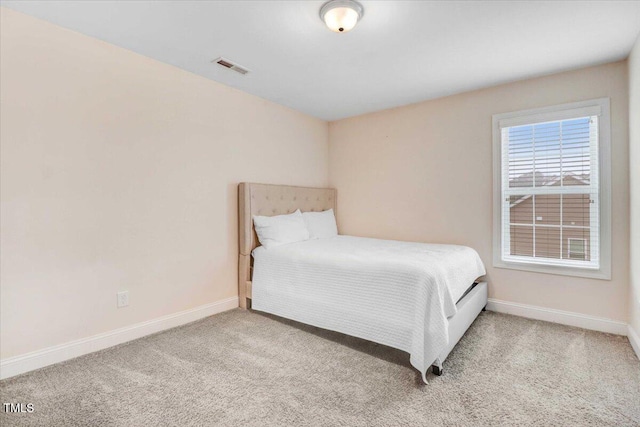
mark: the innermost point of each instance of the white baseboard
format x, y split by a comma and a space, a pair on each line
634, 339
558, 316
12, 366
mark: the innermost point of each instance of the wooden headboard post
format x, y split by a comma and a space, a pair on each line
270, 200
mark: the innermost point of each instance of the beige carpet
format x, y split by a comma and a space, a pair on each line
244, 368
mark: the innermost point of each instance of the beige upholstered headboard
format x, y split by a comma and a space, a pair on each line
270, 200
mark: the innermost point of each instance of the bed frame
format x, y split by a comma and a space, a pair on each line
270, 200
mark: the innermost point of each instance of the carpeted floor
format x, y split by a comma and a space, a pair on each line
249, 369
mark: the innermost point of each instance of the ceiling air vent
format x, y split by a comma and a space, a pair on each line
230, 65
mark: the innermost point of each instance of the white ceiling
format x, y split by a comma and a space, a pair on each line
401, 51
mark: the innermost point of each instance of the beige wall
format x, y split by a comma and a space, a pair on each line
424, 173
634, 161
119, 173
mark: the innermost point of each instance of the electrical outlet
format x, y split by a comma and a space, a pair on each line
123, 299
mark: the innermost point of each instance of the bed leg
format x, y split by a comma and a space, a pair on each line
437, 368
484, 308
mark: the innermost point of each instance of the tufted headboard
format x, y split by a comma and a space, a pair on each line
270, 200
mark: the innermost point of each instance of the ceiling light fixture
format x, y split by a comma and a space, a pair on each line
341, 15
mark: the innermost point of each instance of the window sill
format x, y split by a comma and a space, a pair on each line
601, 274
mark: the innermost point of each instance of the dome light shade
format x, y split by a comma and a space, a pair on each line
341, 15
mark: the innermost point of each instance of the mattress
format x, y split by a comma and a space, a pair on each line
394, 293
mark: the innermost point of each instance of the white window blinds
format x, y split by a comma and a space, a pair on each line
550, 189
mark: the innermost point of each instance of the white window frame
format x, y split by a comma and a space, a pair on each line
599, 107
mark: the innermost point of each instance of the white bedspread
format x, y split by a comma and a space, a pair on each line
394, 293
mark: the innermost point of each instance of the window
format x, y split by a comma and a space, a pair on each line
577, 249
551, 189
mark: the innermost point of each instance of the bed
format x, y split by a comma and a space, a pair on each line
416, 297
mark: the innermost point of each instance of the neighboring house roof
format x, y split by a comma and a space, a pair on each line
542, 180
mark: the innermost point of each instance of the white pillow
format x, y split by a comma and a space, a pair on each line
280, 229
321, 225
